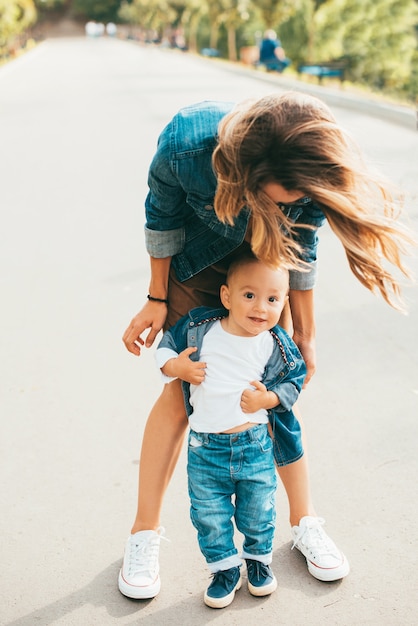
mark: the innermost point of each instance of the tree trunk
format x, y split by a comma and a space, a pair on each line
232, 44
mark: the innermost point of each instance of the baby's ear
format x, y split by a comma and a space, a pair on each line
224, 295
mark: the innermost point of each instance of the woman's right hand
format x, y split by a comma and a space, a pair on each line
152, 315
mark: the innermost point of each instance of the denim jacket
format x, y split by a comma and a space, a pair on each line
180, 217
284, 374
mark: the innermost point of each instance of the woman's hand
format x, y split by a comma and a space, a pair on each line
303, 322
308, 351
152, 315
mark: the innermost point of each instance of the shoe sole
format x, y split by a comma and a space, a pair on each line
138, 593
221, 603
327, 575
265, 590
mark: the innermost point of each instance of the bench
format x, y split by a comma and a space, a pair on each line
331, 69
212, 53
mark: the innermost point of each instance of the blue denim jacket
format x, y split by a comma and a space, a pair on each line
284, 374
180, 218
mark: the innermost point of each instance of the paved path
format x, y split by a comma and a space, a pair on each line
79, 121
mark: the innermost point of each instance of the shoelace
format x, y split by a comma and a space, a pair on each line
143, 555
261, 570
314, 536
224, 575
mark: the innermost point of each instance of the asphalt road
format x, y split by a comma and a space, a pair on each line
79, 120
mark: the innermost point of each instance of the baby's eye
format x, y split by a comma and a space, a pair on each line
249, 295
273, 299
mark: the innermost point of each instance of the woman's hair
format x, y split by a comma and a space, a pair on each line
293, 139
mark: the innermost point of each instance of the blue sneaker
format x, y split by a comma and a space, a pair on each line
261, 580
221, 590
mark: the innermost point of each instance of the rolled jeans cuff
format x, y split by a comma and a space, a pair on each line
224, 564
266, 559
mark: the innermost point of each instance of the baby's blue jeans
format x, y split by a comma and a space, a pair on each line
232, 477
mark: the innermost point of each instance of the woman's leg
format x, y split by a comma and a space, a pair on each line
295, 479
325, 561
163, 437
161, 447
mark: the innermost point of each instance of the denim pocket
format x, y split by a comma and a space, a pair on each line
194, 442
265, 443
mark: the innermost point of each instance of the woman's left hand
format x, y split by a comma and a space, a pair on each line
308, 351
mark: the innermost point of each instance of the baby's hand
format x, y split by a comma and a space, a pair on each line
184, 368
259, 398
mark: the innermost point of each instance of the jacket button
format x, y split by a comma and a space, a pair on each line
209, 207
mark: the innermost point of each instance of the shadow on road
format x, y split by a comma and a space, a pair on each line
102, 592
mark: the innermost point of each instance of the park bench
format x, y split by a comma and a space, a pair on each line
322, 70
210, 52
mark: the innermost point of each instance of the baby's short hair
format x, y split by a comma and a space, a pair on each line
246, 258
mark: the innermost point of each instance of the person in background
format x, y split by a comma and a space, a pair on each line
272, 55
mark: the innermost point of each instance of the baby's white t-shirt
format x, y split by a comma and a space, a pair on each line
231, 363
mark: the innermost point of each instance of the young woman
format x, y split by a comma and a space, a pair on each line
263, 175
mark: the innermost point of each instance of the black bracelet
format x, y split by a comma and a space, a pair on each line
163, 300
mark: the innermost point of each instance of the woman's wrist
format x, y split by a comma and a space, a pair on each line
154, 299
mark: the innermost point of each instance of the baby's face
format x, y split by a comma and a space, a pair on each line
254, 297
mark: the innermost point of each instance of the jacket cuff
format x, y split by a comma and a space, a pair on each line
304, 281
161, 244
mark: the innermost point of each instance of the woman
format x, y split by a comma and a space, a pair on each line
265, 175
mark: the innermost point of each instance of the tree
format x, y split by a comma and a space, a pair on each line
100, 10
375, 37
16, 16
274, 12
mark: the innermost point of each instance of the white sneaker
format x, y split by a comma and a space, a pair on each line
139, 576
325, 561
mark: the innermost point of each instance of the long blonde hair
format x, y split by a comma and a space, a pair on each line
293, 139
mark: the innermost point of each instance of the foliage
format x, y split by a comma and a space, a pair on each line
50, 5
99, 10
274, 13
16, 16
376, 38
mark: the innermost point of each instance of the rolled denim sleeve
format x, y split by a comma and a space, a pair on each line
165, 205
288, 390
289, 381
163, 243
303, 281
287, 394
313, 217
